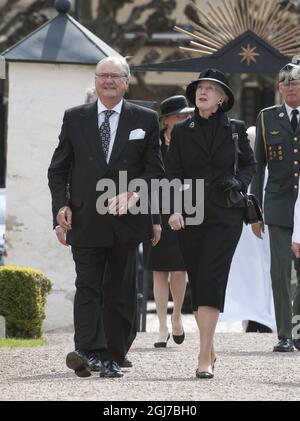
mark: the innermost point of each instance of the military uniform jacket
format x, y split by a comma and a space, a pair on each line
278, 148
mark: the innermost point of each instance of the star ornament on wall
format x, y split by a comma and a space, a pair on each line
248, 54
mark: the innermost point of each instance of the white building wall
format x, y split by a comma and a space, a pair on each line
38, 96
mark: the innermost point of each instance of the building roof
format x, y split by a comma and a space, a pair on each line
248, 53
61, 40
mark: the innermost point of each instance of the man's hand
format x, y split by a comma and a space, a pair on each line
176, 222
258, 229
296, 249
61, 234
157, 234
120, 204
64, 218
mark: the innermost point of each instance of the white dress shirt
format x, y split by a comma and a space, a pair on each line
289, 111
113, 122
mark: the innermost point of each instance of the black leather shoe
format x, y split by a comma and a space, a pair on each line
297, 344
126, 363
94, 363
204, 374
162, 344
284, 345
110, 369
78, 361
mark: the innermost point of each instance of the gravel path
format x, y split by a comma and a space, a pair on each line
246, 369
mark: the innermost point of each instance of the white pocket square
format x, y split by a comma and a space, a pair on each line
137, 134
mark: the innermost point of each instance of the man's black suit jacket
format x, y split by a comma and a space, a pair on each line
78, 163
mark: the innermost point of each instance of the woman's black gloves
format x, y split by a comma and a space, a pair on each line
230, 183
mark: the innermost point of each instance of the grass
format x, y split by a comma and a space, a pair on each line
21, 343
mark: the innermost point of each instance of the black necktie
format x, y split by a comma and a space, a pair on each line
104, 131
294, 119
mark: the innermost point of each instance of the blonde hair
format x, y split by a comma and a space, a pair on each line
221, 92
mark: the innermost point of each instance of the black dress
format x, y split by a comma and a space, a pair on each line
166, 255
203, 149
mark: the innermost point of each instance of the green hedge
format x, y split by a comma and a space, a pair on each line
23, 294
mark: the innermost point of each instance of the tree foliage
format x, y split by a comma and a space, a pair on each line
153, 16
16, 22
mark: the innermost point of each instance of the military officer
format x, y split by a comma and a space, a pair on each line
277, 146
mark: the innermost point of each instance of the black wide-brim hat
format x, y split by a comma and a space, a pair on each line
175, 105
216, 76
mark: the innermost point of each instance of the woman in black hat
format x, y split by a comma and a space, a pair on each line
202, 147
165, 259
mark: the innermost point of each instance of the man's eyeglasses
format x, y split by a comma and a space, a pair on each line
113, 76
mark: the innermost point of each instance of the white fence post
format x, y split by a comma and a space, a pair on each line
2, 67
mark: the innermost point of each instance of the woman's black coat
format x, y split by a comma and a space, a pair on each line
191, 158
209, 245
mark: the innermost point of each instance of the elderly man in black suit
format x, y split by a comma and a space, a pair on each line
97, 142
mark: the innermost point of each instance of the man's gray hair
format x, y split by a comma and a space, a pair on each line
117, 60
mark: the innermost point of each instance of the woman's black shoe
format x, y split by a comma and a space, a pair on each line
178, 339
204, 374
162, 344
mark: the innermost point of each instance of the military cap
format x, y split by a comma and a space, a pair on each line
290, 71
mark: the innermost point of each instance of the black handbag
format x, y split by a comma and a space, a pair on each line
253, 211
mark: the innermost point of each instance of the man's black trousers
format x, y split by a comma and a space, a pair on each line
104, 302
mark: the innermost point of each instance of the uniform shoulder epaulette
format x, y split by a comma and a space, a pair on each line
271, 108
